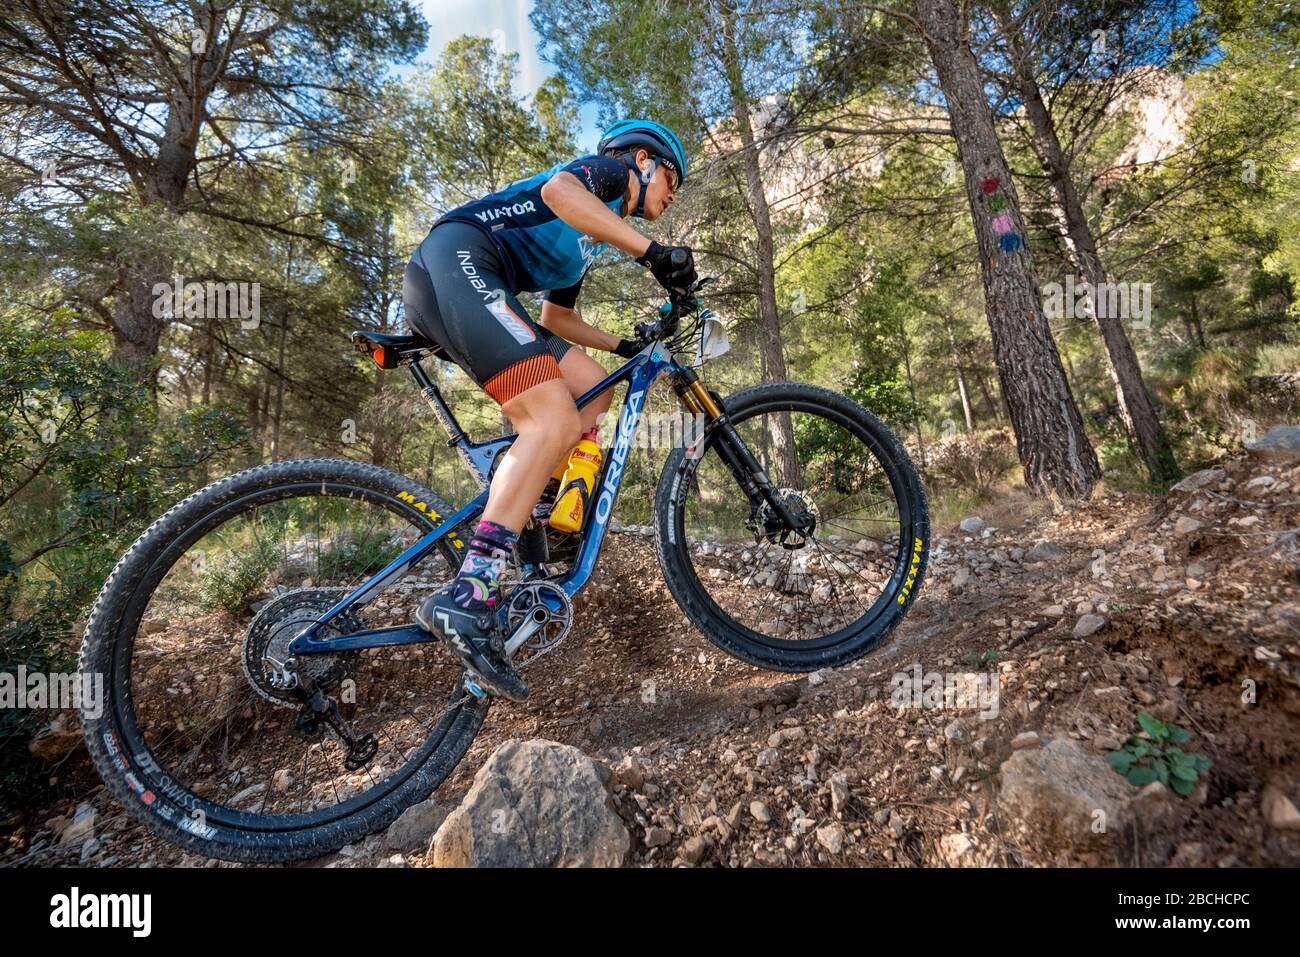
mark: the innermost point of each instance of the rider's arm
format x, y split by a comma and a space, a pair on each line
560, 315
582, 204
565, 322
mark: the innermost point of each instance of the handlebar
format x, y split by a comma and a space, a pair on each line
681, 303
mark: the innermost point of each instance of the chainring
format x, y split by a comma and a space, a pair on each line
521, 602
265, 647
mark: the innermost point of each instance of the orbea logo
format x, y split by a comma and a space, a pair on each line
938, 690
667, 430
56, 690
209, 300
1105, 300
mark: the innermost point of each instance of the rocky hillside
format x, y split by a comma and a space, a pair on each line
1051, 633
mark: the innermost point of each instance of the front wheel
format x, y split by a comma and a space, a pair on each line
787, 599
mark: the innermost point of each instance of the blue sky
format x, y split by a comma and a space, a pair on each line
506, 21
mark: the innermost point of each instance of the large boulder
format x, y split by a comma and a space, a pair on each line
1279, 445
534, 804
1063, 797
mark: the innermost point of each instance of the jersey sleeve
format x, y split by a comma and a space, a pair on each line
604, 176
566, 297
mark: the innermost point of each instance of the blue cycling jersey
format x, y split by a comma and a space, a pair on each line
542, 251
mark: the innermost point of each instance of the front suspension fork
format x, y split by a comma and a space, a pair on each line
732, 449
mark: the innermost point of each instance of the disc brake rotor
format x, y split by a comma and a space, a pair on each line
770, 528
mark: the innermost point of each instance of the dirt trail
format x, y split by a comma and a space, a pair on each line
1182, 606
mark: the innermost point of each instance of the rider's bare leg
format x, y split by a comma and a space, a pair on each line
548, 425
581, 373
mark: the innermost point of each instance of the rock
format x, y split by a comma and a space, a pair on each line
534, 804
630, 772
1198, 480
787, 693
956, 730
656, 837
768, 757
1045, 551
89, 850
81, 828
957, 850
1278, 810
839, 785
1063, 797
1106, 743
1153, 803
831, 837
417, 825
971, 525
1026, 739
1088, 625
962, 577
1185, 526
282, 780
693, 850
57, 739
1280, 444
760, 812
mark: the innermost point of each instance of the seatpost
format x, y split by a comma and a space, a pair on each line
437, 403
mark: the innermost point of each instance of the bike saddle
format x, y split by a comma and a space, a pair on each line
388, 351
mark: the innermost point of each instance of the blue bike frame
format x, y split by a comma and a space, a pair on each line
640, 372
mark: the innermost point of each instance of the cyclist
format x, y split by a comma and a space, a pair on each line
538, 234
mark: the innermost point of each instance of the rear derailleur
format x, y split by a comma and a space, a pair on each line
319, 711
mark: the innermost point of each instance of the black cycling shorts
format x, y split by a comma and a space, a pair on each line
455, 294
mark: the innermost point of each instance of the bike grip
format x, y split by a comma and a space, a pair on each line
677, 257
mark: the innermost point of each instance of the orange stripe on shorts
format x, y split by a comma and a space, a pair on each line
521, 377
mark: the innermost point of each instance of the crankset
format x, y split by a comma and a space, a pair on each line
538, 617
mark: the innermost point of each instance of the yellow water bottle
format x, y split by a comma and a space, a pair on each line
570, 509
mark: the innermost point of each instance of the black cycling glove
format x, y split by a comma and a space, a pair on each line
627, 348
671, 274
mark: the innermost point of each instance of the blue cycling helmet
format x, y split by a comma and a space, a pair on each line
661, 142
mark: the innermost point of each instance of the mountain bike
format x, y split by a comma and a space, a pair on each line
268, 696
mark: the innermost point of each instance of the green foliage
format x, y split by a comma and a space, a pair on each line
230, 581
1157, 757
74, 492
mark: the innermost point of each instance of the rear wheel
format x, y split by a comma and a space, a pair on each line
209, 734
795, 599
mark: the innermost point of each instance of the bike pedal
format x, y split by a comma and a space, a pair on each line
473, 687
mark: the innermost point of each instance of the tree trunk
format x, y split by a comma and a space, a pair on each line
911, 388
961, 376
1054, 450
994, 410
1135, 407
769, 320
1197, 328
